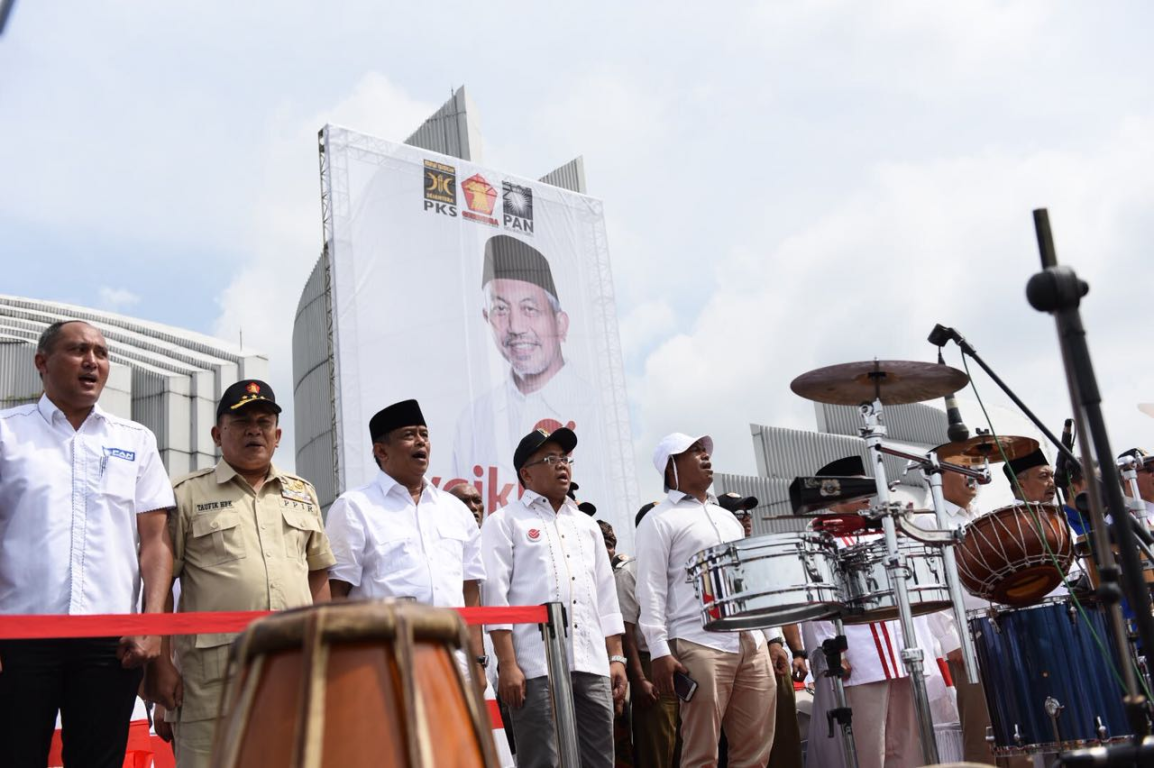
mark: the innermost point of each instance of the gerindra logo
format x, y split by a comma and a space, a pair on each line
481, 198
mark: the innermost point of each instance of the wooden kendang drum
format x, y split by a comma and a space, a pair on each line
1009, 555
353, 685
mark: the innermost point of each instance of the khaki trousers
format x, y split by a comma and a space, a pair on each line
786, 733
655, 742
885, 728
735, 690
192, 743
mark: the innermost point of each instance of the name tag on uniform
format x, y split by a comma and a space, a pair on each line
295, 490
120, 453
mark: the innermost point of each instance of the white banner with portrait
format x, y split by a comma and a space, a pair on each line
489, 299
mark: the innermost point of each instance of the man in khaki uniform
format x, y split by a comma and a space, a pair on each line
246, 537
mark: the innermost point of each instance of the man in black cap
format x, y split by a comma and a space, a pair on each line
876, 683
542, 549
398, 535
1034, 477
246, 536
541, 391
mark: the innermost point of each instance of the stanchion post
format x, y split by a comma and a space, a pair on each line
553, 631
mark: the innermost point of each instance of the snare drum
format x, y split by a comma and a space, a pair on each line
1005, 556
869, 596
1048, 686
767, 581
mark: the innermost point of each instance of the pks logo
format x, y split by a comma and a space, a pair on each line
481, 198
534, 534
440, 188
518, 206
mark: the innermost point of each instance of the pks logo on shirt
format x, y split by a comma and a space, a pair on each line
120, 453
533, 534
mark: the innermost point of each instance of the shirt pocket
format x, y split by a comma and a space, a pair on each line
451, 549
217, 537
399, 563
299, 526
116, 477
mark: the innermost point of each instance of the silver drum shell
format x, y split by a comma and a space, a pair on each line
767, 581
869, 594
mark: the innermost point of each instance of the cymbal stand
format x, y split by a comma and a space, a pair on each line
898, 573
841, 712
1128, 466
932, 471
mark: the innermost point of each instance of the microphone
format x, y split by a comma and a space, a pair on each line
958, 431
1062, 465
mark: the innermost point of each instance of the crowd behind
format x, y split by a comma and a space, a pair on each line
90, 523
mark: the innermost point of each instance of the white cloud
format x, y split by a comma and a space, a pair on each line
946, 241
117, 299
285, 238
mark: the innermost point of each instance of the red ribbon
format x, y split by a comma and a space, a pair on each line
36, 627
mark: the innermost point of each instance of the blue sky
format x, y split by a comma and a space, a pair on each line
787, 185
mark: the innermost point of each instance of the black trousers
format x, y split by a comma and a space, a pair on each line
80, 678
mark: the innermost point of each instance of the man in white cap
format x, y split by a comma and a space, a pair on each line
736, 685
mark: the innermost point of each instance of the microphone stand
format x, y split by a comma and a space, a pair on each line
940, 335
1058, 291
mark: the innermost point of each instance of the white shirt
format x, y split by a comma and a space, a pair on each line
387, 546
874, 651
626, 577
68, 505
490, 427
534, 555
672, 532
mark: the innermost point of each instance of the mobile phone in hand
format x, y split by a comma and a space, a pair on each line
684, 685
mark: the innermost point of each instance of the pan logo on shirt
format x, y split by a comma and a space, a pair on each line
518, 205
481, 198
440, 188
533, 535
120, 453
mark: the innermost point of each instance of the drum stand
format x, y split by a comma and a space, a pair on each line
841, 712
898, 573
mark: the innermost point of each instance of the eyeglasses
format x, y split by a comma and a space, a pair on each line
551, 460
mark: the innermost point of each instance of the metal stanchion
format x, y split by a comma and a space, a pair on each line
560, 686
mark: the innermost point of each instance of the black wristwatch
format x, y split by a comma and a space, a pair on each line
483, 661
777, 641
799, 654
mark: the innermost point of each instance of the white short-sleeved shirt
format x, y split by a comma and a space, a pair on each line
68, 505
387, 546
534, 555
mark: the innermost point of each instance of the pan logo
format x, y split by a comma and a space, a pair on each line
440, 188
481, 198
518, 206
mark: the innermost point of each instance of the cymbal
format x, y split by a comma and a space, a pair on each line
981, 448
894, 382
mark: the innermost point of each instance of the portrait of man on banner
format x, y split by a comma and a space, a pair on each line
540, 389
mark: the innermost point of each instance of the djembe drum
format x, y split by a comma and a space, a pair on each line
1016, 555
353, 685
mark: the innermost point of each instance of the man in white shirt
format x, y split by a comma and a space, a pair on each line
736, 686
84, 499
541, 390
876, 684
542, 549
398, 535
655, 719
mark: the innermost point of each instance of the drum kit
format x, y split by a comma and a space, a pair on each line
1045, 661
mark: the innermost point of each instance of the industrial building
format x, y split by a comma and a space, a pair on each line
168, 379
